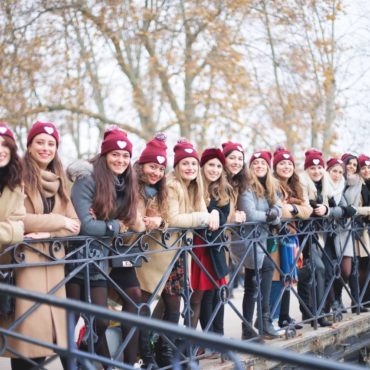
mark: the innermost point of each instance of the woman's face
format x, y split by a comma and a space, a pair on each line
4, 153
259, 167
43, 149
351, 166
365, 172
188, 169
234, 162
285, 169
315, 172
212, 170
336, 173
118, 161
153, 172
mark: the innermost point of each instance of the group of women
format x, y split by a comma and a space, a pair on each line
110, 196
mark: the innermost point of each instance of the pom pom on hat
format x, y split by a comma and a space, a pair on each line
331, 162
6, 131
155, 151
230, 146
363, 160
211, 153
184, 149
313, 157
43, 128
282, 154
115, 139
264, 154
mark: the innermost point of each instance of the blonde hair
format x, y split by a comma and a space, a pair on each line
220, 190
193, 193
269, 191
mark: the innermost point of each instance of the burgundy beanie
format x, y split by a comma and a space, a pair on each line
115, 139
282, 154
331, 162
184, 149
346, 157
6, 131
363, 160
43, 128
228, 147
313, 158
264, 154
212, 153
155, 151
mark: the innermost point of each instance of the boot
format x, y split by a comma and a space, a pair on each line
249, 334
267, 328
164, 353
146, 352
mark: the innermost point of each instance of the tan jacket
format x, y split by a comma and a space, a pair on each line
39, 325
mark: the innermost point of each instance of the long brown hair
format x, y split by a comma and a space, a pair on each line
220, 190
11, 174
292, 189
161, 187
240, 181
105, 200
269, 190
32, 176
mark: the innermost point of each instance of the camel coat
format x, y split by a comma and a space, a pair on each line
46, 323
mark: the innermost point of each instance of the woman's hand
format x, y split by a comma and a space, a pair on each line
40, 235
152, 222
240, 217
320, 210
71, 224
214, 220
92, 213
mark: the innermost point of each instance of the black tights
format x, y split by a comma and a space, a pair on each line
20, 364
171, 308
346, 269
195, 304
99, 296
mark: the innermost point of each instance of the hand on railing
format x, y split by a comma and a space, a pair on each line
349, 211
272, 214
152, 223
71, 224
214, 220
40, 235
240, 217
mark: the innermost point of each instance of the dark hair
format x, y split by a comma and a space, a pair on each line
162, 195
292, 189
105, 200
240, 181
32, 176
346, 161
11, 174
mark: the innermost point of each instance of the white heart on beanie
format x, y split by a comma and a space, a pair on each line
340, 161
49, 130
286, 155
160, 159
367, 163
3, 130
257, 155
316, 161
240, 148
121, 144
189, 150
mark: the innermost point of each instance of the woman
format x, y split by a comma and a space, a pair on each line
49, 213
217, 195
261, 204
150, 170
356, 194
106, 203
294, 205
12, 209
187, 209
316, 189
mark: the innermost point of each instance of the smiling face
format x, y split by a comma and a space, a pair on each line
365, 172
336, 173
259, 167
212, 170
234, 162
315, 172
285, 169
42, 149
351, 166
4, 153
188, 169
118, 161
153, 172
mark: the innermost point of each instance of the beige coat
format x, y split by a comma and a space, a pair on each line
46, 323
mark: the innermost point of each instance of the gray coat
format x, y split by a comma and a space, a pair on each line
255, 209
